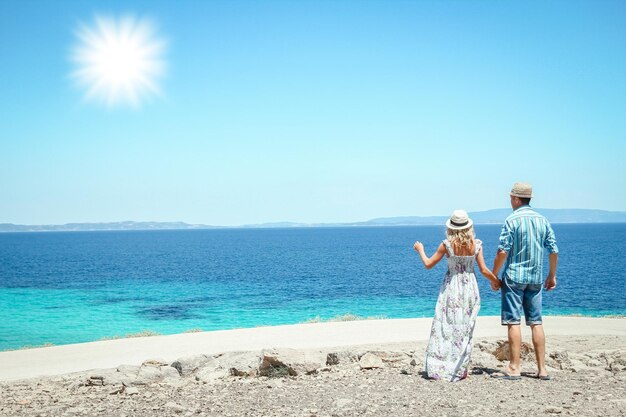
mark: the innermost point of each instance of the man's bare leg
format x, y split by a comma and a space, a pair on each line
539, 342
515, 346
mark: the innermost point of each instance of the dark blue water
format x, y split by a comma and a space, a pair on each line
82, 286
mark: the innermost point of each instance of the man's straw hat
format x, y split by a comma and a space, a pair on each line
522, 190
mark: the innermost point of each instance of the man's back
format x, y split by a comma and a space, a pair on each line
524, 235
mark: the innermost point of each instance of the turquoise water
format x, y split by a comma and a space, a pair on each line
82, 286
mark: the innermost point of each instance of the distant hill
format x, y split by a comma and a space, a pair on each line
83, 227
495, 216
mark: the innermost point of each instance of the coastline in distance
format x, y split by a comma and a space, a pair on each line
495, 216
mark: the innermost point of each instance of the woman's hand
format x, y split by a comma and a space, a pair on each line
495, 285
419, 247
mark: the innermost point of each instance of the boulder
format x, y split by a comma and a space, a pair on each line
290, 362
558, 360
128, 369
154, 362
169, 372
370, 361
190, 364
211, 375
154, 373
109, 377
342, 357
616, 363
151, 373
240, 363
500, 350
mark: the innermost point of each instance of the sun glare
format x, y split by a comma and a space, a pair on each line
118, 61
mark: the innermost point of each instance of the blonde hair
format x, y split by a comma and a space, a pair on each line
462, 240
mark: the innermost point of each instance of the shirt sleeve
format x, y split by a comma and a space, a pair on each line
506, 238
550, 240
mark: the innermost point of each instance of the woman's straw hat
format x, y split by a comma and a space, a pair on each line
459, 220
522, 189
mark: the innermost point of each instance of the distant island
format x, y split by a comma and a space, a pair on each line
495, 216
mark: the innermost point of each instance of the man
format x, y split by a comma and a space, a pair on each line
524, 235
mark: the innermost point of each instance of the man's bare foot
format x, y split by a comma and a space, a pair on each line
509, 374
512, 372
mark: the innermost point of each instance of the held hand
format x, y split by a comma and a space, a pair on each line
418, 246
495, 285
550, 283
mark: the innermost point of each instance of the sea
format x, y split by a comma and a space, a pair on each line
70, 287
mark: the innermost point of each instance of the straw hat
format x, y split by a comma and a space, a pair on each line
522, 189
459, 220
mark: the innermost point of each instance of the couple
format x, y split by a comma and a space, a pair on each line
524, 235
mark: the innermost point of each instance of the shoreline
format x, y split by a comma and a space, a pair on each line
316, 320
65, 359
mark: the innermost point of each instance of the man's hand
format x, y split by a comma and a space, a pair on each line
550, 282
495, 285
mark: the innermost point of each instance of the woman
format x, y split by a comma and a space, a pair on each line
450, 345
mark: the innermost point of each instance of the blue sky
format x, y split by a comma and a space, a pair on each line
318, 111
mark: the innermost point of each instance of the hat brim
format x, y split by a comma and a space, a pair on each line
522, 196
451, 226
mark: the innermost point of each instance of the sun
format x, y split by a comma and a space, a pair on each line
118, 61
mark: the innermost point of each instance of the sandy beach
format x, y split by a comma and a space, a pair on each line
371, 367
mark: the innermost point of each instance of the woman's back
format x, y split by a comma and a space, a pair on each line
461, 260
462, 248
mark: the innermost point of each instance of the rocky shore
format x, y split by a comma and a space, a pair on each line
589, 379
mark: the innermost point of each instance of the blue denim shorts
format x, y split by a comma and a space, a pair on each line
517, 297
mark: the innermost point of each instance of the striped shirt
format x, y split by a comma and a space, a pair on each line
524, 235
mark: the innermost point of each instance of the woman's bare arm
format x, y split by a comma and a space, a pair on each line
433, 260
495, 282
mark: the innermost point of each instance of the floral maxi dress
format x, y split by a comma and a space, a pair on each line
450, 345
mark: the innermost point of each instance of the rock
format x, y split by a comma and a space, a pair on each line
172, 406
594, 363
240, 363
289, 362
616, 364
115, 377
393, 357
169, 372
370, 361
131, 391
95, 380
336, 358
154, 362
128, 369
149, 373
553, 410
501, 352
152, 373
190, 364
559, 360
117, 390
210, 375
332, 359
486, 345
